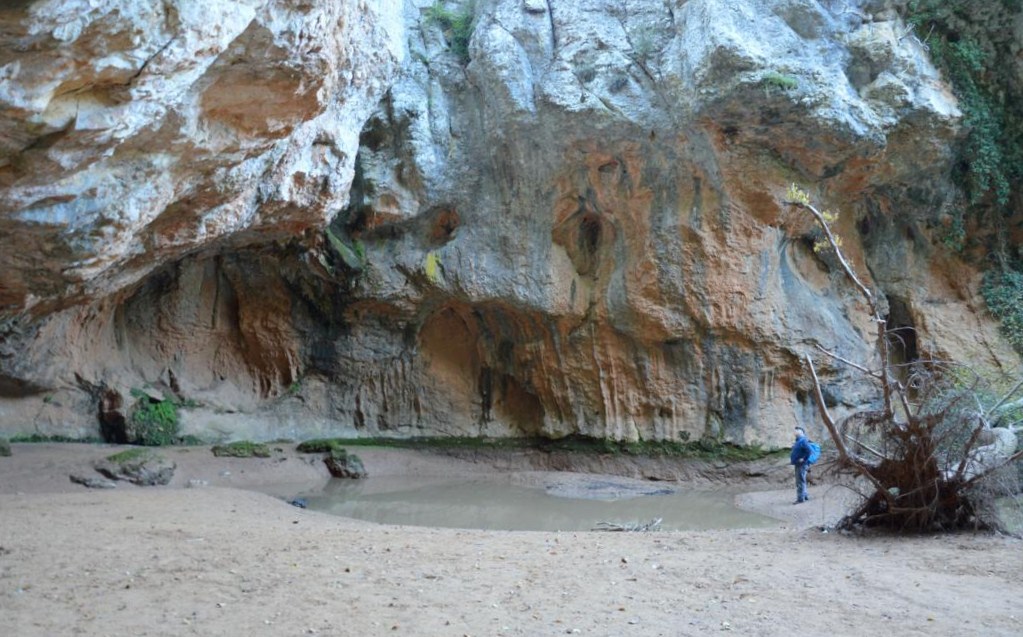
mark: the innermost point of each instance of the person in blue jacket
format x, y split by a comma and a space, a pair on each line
800, 458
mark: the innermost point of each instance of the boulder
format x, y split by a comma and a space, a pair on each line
138, 466
91, 483
342, 464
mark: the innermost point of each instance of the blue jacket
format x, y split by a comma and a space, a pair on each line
800, 451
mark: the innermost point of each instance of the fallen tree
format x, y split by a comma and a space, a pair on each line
929, 456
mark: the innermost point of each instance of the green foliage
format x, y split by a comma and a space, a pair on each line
1003, 292
993, 150
353, 256
797, 195
800, 197
781, 81
954, 237
242, 449
456, 25
155, 421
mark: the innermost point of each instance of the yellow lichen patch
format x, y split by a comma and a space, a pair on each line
432, 267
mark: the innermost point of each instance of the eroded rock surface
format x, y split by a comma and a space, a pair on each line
581, 230
134, 133
144, 468
342, 464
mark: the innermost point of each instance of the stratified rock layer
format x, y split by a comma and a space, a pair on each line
581, 230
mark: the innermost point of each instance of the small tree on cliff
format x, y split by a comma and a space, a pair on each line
929, 454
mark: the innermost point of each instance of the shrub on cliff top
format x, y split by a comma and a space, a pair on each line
456, 25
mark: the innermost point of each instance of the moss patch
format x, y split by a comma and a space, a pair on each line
322, 445
242, 449
704, 449
130, 456
53, 438
780, 81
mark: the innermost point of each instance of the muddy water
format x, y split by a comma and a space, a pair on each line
497, 505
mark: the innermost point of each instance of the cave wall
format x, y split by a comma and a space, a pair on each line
582, 229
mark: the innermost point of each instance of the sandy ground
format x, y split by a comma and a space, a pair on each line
225, 560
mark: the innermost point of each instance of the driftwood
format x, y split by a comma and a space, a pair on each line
652, 525
922, 464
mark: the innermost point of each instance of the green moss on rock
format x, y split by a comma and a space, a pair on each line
242, 449
319, 445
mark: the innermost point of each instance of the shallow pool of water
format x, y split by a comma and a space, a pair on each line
497, 505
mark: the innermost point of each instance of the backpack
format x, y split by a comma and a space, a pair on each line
815, 452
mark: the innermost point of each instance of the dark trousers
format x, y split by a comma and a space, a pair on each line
801, 494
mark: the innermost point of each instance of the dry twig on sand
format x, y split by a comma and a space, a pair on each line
652, 525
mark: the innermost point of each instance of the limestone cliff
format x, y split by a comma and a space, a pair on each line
575, 225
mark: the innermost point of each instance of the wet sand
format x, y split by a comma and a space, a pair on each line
223, 559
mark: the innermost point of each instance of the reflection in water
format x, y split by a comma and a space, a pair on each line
489, 504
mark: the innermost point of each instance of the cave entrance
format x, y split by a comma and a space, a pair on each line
902, 341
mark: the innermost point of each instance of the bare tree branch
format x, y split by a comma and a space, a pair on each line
882, 346
1006, 397
849, 272
843, 452
867, 447
849, 363
1016, 404
991, 468
961, 469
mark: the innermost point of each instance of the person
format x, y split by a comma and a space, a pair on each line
800, 458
